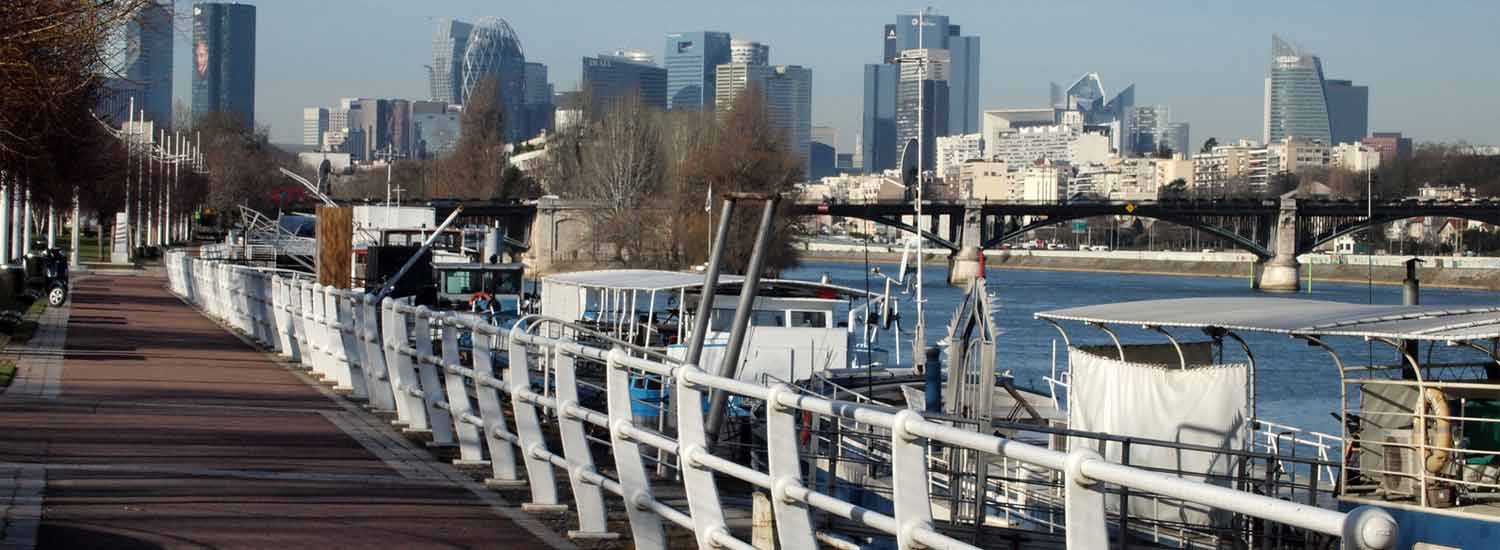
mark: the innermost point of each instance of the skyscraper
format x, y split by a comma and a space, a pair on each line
922, 101
1295, 105
691, 58
370, 119
787, 92
400, 127
749, 52
139, 65
537, 106
495, 50
1112, 115
224, 60
611, 77
314, 124
1348, 111
961, 98
878, 147
445, 75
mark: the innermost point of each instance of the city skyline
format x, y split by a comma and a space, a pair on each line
1207, 62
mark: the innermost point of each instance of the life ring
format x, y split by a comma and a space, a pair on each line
1437, 459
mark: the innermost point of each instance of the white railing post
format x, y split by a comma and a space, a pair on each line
910, 484
497, 438
1083, 510
372, 361
697, 479
398, 363
588, 497
284, 331
793, 521
469, 452
438, 420
646, 529
298, 313
312, 324
529, 431
339, 366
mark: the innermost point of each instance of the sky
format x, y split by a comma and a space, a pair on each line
1431, 69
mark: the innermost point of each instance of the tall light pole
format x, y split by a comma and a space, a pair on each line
919, 353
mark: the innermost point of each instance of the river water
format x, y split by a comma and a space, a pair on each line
1296, 384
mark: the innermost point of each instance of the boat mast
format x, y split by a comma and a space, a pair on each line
918, 357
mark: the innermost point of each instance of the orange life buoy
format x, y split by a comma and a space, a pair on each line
1438, 455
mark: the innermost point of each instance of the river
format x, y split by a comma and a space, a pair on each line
1296, 384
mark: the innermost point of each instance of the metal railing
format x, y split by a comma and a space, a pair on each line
408, 360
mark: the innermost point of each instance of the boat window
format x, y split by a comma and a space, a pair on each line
457, 282
763, 318
503, 282
722, 321
813, 319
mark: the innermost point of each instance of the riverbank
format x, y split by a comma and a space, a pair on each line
1226, 265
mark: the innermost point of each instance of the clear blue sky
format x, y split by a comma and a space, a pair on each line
1431, 69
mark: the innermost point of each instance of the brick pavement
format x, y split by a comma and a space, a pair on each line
149, 426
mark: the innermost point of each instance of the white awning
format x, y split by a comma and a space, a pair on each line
1294, 316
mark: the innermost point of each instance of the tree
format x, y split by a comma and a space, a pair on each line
1209, 144
474, 169
623, 168
751, 155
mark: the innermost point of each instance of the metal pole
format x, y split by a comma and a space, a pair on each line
710, 285
73, 255
5, 188
728, 367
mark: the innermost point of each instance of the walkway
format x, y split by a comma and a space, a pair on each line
142, 424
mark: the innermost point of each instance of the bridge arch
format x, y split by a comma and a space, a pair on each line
1246, 243
1489, 216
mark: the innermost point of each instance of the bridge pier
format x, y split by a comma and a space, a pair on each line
967, 263
1280, 272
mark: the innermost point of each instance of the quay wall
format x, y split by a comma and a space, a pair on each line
1438, 272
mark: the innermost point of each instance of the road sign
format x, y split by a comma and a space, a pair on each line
1080, 226
1130, 207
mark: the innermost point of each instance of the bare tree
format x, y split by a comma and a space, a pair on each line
474, 169
623, 169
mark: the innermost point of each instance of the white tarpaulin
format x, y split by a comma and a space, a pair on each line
1150, 396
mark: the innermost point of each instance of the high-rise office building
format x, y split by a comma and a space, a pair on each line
1392, 146
400, 127
445, 75
878, 147
1295, 101
314, 125
139, 66
822, 153
961, 100
786, 91
537, 106
749, 52
691, 58
789, 106
224, 60
434, 133
609, 78
370, 120
495, 50
1348, 111
1100, 112
922, 101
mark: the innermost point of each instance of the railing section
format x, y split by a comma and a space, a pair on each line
454, 375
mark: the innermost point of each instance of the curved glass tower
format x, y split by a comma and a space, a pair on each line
1296, 105
494, 49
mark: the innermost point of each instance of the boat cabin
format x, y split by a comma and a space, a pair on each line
796, 327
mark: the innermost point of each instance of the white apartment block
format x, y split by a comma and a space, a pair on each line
1294, 154
956, 150
1355, 157
989, 181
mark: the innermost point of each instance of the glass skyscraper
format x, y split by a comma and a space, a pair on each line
960, 85
609, 78
1295, 105
691, 58
139, 66
1348, 111
494, 49
445, 75
224, 60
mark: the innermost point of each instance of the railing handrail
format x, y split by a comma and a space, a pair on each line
370, 347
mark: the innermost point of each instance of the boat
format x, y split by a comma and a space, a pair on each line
1420, 434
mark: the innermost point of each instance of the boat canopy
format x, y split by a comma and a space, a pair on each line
649, 280
1296, 317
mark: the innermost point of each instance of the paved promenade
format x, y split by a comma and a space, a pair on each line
135, 422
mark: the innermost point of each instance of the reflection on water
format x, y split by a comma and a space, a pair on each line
1296, 384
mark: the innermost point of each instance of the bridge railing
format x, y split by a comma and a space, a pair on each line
456, 377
